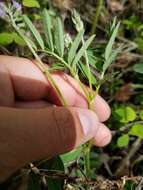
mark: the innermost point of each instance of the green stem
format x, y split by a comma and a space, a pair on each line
86, 152
57, 57
96, 17
89, 72
74, 75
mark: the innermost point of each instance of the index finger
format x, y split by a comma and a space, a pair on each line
21, 78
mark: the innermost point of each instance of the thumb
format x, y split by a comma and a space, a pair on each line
33, 134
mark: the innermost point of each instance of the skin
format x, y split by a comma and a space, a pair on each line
33, 124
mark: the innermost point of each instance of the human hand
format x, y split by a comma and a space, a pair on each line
32, 127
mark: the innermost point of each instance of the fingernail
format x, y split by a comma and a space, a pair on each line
89, 123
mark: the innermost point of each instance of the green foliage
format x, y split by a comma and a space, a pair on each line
71, 156
82, 50
123, 141
137, 130
8, 38
78, 54
59, 37
132, 22
31, 3
48, 29
34, 31
18, 40
74, 46
138, 68
54, 164
125, 114
141, 115
77, 21
109, 55
139, 42
84, 71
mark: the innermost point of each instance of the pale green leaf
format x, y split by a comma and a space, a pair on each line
125, 114
141, 115
123, 141
84, 71
34, 31
93, 60
137, 130
109, 46
74, 46
6, 38
59, 37
18, 40
138, 68
82, 50
113, 25
111, 58
48, 28
71, 156
31, 3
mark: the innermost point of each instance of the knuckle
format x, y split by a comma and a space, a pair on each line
65, 129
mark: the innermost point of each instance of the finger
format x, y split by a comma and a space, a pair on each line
27, 82
103, 136
43, 133
32, 104
75, 96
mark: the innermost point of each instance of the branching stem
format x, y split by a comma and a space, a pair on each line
135, 146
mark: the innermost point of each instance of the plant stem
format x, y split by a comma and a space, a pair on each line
86, 152
135, 146
97, 14
89, 71
90, 96
57, 57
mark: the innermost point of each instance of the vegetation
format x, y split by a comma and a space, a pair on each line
73, 36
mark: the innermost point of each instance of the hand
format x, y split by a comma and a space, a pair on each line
32, 127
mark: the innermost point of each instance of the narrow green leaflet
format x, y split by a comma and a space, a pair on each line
48, 28
92, 59
137, 130
109, 46
112, 58
59, 37
111, 42
113, 25
31, 3
84, 70
74, 47
33, 182
82, 50
34, 31
123, 141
